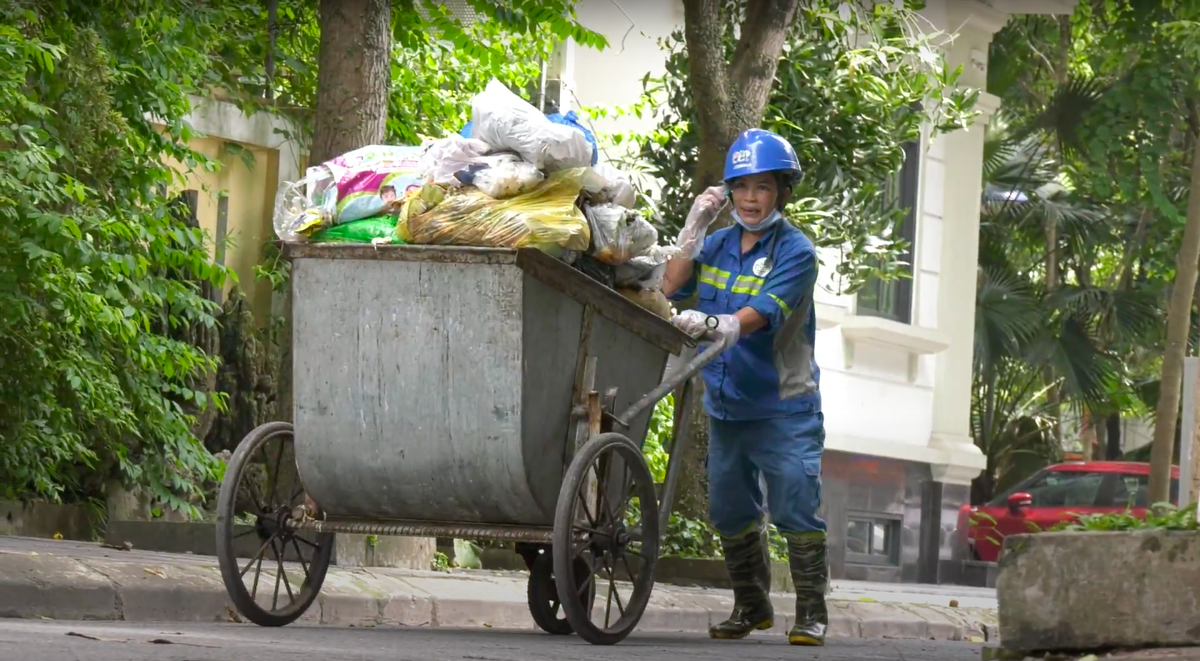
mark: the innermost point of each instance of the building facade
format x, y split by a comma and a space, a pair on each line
895, 360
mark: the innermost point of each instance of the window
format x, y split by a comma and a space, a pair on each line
872, 539
1086, 489
1059, 489
893, 300
1134, 491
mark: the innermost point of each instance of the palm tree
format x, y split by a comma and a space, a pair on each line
1048, 332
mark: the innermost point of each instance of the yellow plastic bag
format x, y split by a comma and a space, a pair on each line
545, 218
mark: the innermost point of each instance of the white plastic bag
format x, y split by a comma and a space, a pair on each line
508, 179
454, 153
617, 188
506, 121
646, 271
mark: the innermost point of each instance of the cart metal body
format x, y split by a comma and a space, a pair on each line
473, 393
445, 378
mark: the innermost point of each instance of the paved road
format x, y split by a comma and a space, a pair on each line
24, 640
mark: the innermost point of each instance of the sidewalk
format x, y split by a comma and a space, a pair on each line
65, 580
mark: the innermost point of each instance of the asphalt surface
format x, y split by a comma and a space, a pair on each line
25, 640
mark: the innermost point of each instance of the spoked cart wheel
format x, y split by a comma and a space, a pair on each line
262, 488
544, 602
606, 524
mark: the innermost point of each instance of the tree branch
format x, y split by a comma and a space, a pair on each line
756, 58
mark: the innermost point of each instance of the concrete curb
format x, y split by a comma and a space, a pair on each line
140, 590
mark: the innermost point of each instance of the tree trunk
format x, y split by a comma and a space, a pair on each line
1179, 315
1114, 452
729, 98
354, 77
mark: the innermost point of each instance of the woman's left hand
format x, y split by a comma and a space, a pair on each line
695, 324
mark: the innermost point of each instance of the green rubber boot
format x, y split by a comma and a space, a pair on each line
750, 572
808, 561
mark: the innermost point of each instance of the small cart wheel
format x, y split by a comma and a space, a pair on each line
544, 604
265, 495
606, 524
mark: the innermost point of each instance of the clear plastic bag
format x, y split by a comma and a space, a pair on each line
619, 234
617, 188
646, 271
305, 206
506, 121
545, 218
508, 179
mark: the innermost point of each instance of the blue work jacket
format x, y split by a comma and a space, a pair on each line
770, 373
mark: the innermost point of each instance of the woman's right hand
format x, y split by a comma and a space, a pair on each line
702, 214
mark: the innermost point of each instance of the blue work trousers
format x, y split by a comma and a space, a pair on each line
786, 453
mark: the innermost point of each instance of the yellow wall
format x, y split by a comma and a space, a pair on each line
251, 200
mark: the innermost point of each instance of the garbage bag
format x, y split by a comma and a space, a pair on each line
619, 234
415, 203
508, 179
446, 157
646, 271
363, 183
506, 121
545, 218
372, 179
297, 213
650, 299
572, 120
617, 189
365, 230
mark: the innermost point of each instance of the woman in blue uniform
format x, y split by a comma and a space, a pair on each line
756, 278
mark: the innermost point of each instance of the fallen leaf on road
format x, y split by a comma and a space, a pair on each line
953, 603
164, 641
76, 634
867, 599
57, 535
156, 571
489, 626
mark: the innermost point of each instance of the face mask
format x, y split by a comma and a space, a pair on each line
762, 225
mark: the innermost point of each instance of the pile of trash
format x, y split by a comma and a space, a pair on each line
514, 178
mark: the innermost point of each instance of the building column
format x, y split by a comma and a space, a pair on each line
960, 459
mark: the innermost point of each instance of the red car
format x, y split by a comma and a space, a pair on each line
1054, 494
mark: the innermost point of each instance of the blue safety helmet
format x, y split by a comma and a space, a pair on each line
757, 151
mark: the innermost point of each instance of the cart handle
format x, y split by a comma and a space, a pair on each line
719, 344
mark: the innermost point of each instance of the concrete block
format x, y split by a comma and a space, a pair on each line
167, 593
44, 520
384, 551
197, 538
35, 586
879, 620
1078, 591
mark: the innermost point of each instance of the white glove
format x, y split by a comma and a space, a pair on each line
703, 213
694, 323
